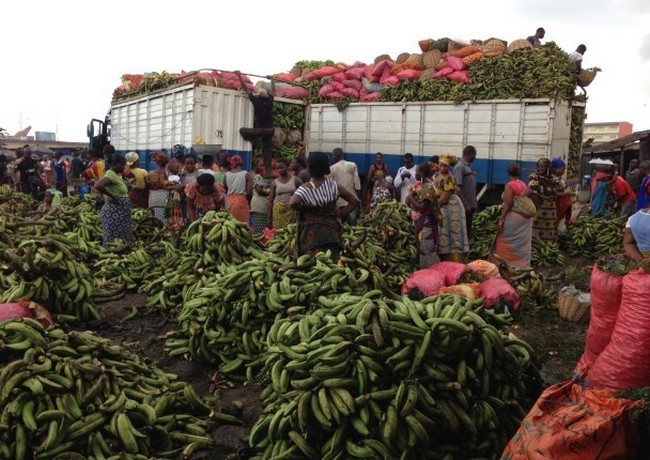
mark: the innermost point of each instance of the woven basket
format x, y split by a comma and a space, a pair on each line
575, 311
585, 77
425, 44
495, 42
431, 58
417, 59
518, 44
382, 57
402, 57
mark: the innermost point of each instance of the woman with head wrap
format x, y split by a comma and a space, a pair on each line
381, 191
545, 188
453, 244
427, 216
139, 193
237, 185
203, 195
115, 214
319, 219
563, 201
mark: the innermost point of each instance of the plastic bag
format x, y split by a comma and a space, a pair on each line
570, 421
484, 268
268, 234
498, 293
456, 63
624, 361
606, 291
26, 309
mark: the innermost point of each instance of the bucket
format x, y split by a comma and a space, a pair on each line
584, 196
84, 189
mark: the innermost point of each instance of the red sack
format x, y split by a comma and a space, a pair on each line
408, 74
268, 234
295, 92
381, 67
285, 77
498, 293
339, 77
606, 291
569, 421
371, 97
350, 92
624, 361
325, 71
334, 95
456, 63
26, 309
356, 84
368, 72
460, 76
428, 281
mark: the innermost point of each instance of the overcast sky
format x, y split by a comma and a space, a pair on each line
61, 60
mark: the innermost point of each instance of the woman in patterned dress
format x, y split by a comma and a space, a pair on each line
203, 195
260, 199
319, 219
424, 202
545, 189
453, 244
115, 215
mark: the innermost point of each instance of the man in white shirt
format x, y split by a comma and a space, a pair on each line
405, 177
346, 174
577, 55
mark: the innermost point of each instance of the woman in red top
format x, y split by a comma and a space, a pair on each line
203, 195
514, 240
622, 195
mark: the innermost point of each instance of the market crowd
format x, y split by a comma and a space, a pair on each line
321, 195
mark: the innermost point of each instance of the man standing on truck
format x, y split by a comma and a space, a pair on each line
576, 57
262, 100
346, 174
535, 40
405, 177
466, 179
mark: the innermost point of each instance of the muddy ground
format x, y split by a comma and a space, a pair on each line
559, 343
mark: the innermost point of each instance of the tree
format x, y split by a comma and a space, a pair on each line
3, 132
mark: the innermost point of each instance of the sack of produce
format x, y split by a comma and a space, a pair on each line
571, 421
443, 72
426, 44
456, 63
354, 73
469, 291
606, 290
295, 92
624, 361
408, 74
484, 268
427, 281
459, 76
373, 96
498, 294
26, 309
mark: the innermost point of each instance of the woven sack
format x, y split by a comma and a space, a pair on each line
431, 58
518, 44
574, 310
453, 45
402, 57
585, 77
427, 73
495, 42
426, 44
524, 206
382, 57
493, 50
296, 70
417, 59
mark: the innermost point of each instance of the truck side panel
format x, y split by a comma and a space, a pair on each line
181, 115
503, 131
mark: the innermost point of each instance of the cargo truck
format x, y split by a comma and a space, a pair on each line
502, 131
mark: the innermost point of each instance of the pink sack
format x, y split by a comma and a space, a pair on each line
368, 72
427, 281
451, 271
443, 72
354, 73
26, 309
356, 84
498, 293
392, 80
285, 77
460, 76
371, 97
456, 63
381, 67
325, 90
606, 291
334, 95
624, 361
351, 92
339, 77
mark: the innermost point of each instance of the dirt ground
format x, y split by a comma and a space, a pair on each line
558, 342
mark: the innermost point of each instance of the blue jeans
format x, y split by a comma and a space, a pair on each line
351, 219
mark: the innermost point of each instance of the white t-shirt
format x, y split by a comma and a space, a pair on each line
575, 57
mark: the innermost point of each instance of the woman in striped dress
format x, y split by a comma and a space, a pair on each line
319, 219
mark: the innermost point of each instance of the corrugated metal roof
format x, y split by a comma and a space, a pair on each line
617, 144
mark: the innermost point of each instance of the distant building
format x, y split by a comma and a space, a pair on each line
608, 131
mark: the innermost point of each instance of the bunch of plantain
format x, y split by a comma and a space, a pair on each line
487, 220
47, 271
363, 377
592, 237
283, 244
76, 395
531, 287
224, 318
546, 254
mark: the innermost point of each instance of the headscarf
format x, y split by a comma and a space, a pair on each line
179, 151
160, 157
557, 163
56, 196
545, 161
235, 160
444, 159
